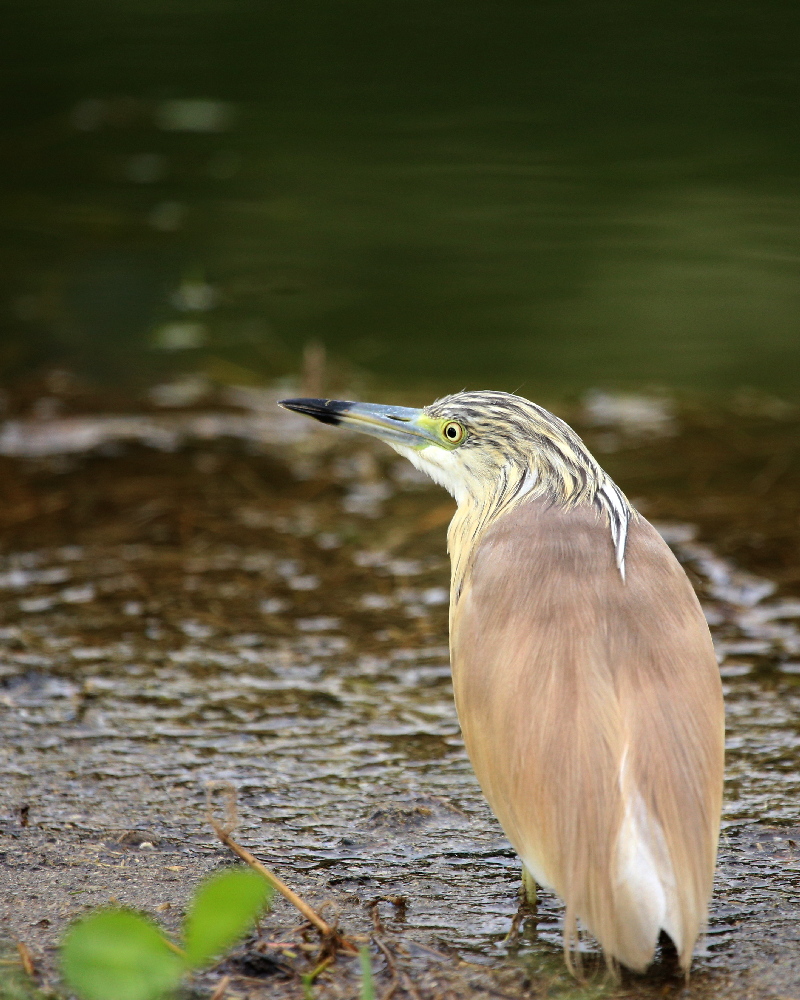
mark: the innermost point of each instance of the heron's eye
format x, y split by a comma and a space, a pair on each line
454, 432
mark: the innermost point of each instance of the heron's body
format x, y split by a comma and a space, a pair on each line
608, 785
585, 680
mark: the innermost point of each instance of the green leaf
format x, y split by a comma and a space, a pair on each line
367, 982
223, 910
117, 955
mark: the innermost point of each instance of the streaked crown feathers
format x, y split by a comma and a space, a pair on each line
515, 450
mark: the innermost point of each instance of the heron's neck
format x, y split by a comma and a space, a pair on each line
567, 486
477, 510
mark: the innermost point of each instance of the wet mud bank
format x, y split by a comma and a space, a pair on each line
265, 603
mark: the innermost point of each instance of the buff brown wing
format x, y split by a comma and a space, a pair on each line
592, 712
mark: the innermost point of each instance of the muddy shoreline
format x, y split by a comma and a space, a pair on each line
274, 614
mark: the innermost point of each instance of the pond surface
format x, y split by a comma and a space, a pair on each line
266, 603
560, 195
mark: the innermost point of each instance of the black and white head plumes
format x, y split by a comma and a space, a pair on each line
511, 451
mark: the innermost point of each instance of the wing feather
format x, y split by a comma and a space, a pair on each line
592, 712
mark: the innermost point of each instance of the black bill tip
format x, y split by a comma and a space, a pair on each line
328, 411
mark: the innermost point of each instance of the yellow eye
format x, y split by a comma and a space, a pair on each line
453, 432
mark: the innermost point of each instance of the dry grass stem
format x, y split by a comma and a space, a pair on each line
409, 987
222, 986
332, 940
26, 958
390, 963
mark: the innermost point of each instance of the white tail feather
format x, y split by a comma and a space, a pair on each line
645, 877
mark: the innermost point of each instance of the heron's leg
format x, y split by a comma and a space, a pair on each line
528, 892
527, 905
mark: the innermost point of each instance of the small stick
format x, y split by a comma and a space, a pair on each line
223, 832
386, 954
390, 962
26, 958
222, 985
409, 987
173, 947
312, 917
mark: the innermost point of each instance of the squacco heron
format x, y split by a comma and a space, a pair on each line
585, 680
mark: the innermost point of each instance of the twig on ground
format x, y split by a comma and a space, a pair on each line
222, 985
386, 954
390, 962
26, 957
332, 940
409, 987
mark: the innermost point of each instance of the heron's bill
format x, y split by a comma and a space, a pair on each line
397, 425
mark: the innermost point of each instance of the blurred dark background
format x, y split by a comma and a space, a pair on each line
547, 195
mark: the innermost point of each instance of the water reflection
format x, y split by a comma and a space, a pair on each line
498, 194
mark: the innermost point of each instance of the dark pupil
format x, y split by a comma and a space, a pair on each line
452, 432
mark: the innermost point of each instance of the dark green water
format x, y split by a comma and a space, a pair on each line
547, 194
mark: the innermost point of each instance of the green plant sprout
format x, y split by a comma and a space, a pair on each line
119, 955
367, 982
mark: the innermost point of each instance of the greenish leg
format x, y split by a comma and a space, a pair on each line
528, 893
526, 908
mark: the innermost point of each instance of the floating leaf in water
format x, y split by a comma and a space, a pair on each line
223, 910
118, 955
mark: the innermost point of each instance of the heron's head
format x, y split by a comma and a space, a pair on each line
483, 447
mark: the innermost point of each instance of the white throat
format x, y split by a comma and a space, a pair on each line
442, 466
